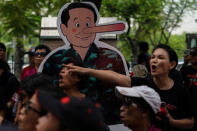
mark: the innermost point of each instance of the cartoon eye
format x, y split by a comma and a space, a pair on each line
77, 25
88, 24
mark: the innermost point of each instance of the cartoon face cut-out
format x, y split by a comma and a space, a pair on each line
77, 25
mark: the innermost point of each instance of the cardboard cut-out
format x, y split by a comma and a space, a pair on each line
78, 27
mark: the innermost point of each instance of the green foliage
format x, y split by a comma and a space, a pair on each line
22, 18
137, 13
178, 43
149, 20
142, 17
125, 49
15, 21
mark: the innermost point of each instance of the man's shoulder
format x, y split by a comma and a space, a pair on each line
60, 52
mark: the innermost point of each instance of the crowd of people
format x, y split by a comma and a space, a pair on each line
69, 90
152, 102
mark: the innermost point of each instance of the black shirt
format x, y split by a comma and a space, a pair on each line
177, 100
8, 86
189, 75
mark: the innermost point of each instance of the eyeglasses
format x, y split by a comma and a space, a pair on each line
28, 107
42, 54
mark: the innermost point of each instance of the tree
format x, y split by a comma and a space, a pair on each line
142, 17
172, 16
21, 19
16, 22
148, 20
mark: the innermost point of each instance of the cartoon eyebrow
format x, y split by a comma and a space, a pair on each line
75, 18
88, 18
106, 28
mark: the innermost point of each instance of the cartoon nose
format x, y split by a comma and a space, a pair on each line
84, 32
105, 28
87, 30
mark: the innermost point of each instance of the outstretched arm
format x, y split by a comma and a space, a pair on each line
105, 75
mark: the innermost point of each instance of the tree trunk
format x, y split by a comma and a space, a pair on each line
134, 50
19, 56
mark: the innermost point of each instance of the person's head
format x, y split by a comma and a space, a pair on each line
163, 60
29, 114
143, 46
40, 52
140, 71
30, 111
69, 113
75, 19
193, 55
2, 51
140, 103
68, 80
30, 84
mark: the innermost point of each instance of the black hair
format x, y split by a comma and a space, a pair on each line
36, 81
143, 46
171, 53
2, 46
65, 13
43, 47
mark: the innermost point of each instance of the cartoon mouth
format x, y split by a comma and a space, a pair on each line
83, 38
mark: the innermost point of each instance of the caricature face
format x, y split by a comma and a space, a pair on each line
80, 19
